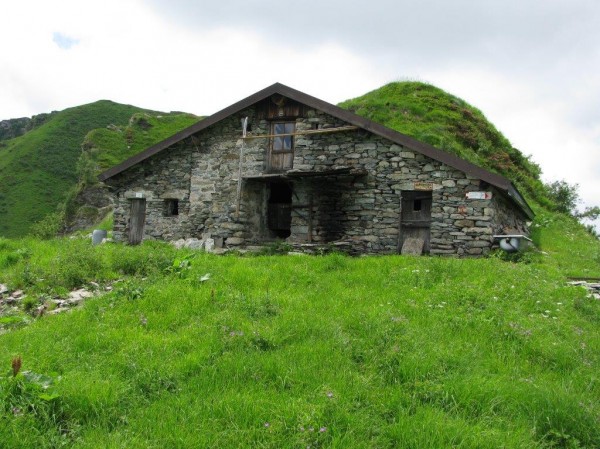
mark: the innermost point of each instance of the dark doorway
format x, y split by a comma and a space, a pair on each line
137, 220
416, 217
279, 209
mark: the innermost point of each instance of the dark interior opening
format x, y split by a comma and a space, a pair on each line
417, 205
279, 209
171, 208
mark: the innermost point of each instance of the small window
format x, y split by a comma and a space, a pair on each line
171, 208
285, 142
417, 205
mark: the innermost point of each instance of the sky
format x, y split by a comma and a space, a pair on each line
531, 66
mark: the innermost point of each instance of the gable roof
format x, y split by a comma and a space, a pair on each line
498, 181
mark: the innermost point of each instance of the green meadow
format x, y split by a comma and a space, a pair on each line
193, 350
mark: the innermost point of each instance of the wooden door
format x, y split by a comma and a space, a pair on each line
137, 220
416, 217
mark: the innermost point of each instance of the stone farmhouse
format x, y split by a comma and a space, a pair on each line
282, 164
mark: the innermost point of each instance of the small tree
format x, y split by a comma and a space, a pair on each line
564, 196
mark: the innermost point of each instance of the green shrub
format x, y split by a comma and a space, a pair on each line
74, 269
50, 226
29, 303
130, 290
144, 260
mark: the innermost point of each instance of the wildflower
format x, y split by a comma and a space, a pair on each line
323, 429
329, 394
267, 424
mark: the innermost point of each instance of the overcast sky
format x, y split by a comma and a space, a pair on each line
531, 66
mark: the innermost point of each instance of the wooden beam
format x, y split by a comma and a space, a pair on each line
308, 132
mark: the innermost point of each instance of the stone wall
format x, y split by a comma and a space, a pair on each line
161, 178
202, 172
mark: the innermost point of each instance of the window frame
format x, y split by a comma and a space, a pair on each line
289, 127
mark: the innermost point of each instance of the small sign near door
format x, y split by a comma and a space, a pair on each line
479, 195
423, 186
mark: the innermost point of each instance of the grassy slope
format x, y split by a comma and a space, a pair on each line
38, 168
566, 245
431, 115
375, 352
112, 146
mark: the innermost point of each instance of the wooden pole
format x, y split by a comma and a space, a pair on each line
310, 218
239, 184
400, 224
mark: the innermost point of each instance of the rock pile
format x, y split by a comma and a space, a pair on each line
209, 245
11, 302
592, 287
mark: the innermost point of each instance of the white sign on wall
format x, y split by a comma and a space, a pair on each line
479, 195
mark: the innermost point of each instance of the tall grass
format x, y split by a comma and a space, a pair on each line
325, 351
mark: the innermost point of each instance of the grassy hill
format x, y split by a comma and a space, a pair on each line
112, 145
434, 116
40, 166
286, 352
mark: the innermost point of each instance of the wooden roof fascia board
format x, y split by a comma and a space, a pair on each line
518, 199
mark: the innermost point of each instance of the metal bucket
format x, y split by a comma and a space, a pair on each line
97, 236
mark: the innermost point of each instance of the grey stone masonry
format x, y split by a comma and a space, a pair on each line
361, 205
